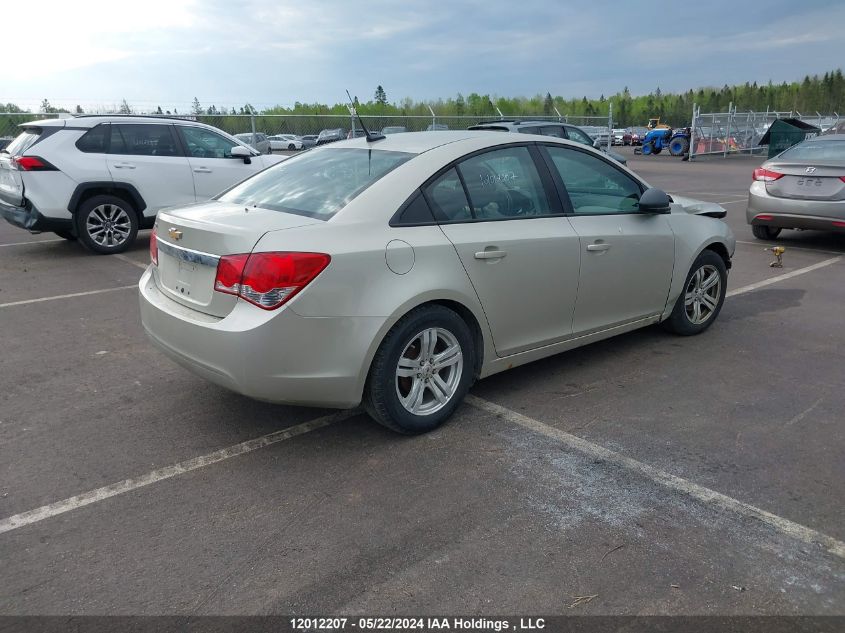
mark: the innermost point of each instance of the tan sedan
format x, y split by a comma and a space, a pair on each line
395, 272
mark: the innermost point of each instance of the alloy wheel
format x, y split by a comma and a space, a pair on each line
702, 295
429, 371
108, 225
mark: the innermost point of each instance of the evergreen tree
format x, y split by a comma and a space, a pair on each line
380, 96
196, 108
548, 104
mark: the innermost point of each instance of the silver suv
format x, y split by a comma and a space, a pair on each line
101, 178
547, 128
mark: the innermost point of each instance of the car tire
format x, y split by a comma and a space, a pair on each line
66, 235
699, 295
762, 232
389, 396
106, 224
679, 147
291, 147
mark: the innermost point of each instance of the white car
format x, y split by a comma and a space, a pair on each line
101, 178
281, 142
398, 271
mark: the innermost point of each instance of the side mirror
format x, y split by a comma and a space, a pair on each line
655, 201
239, 151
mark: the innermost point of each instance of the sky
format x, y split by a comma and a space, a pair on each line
268, 52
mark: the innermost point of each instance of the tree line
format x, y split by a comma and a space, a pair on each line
825, 94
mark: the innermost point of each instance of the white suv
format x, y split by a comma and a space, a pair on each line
101, 178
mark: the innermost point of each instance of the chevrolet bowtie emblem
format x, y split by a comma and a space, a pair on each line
176, 234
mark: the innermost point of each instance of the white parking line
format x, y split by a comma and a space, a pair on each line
33, 242
129, 260
127, 485
68, 296
667, 480
783, 277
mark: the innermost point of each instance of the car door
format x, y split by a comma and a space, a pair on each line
520, 252
149, 157
213, 166
627, 257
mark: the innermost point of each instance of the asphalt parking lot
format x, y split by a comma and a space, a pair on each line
646, 474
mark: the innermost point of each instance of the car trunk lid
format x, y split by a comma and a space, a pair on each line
192, 239
807, 181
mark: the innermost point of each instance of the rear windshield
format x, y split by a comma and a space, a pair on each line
23, 141
816, 150
318, 183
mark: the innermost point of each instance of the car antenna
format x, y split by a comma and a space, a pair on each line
370, 135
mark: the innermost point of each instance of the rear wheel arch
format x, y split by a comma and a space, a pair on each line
125, 191
460, 308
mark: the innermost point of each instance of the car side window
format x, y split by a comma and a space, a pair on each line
143, 140
554, 130
595, 187
95, 140
578, 136
504, 184
202, 143
447, 198
531, 129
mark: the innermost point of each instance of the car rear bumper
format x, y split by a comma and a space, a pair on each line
788, 213
29, 218
277, 356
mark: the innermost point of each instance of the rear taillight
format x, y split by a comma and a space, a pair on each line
32, 163
764, 217
838, 224
842, 178
766, 175
154, 247
268, 280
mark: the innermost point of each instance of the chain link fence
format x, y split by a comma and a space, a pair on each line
733, 132
303, 124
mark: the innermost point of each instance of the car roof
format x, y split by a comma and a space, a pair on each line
514, 124
419, 142
91, 120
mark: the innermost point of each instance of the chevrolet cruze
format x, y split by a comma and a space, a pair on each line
396, 271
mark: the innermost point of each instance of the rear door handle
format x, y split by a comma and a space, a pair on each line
124, 166
202, 170
598, 247
490, 254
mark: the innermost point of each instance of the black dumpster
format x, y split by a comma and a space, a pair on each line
784, 133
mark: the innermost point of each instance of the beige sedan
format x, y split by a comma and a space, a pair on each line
396, 272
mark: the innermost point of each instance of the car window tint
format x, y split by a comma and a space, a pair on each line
594, 186
142, 140
531, 129
415, 212
94, 140
204, 143
554, 130
448, 199
504, 184
316, 184
816, 150
578, 136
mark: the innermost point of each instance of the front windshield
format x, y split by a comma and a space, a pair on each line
318, 183
816, 150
